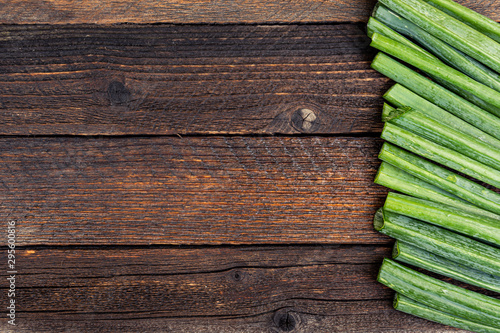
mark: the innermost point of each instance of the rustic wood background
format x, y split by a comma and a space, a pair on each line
194, 166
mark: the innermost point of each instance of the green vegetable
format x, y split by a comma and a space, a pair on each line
475, 20
446, 136
469, 96
452, 218
403, 97
400, 180
447, 53
438, 95
443, 222
471, 66
413, 255
445, 243
435, 293
448, 29
440, 154
436, 68
441, 177
407, 305
439, 49
375, 26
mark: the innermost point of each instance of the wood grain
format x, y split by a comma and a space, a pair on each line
215, 289
377, 317
190, 190
87, 209
163, 79
182, 11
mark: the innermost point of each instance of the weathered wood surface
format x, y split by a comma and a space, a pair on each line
100, 199
130, 79
183, 11
215, 289
367, 317
190, 190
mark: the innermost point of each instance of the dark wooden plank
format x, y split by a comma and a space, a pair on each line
190, 190
163, 79
256, 289
376, 317
182, 11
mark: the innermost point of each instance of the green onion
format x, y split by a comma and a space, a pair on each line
441, 177
475, 20
443, 51
446, 136
432, 292
388, 110
447, 53
440, 154
469, 96
407, 305
471, 66
448, 29
445, 243
375, 26
436, 68
443, 222
438, 95
400, 180
403, 97
473, 225
415, 256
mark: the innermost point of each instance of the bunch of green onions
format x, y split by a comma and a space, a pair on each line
442, 154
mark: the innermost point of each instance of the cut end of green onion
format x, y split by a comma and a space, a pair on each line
380, 172
380, 272
395, 302
381, 276
395, 250
391, 113
369, 30
375, 37
375, 8
376, 61
387, 112
385, 146
390, 92
378, 220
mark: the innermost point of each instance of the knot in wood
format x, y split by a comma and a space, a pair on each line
118, 93
237, 275
285, 321
305, 120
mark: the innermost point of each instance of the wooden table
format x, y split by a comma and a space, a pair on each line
193, 166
